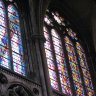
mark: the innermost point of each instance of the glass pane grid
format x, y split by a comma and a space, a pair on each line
50, 64
71, 33
79, 89
17, 56
76, 77
57, 18
90, 92
4, 62
47, 45
47, 20
16, 43
66, 90
2, 13
12, 10
82, 60
88, 82
4, 41
85, 70
54, 84
63, 75
15, 31
13, 19
15, 26
86, 73
16, 39
55, 37
57, 41
2, 21
17, 48
58, 51
59, 45
3, 31
53, 79
74, 67
46, 36
64, 80
19, 68
3, 50
1, 4
48, 54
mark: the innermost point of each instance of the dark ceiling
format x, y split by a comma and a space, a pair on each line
81, 11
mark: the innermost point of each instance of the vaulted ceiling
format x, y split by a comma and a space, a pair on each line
82, 13
80, 10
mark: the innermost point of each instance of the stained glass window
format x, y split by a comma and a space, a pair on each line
74, 67
4, 49
71, 33
67, 64
61, 64
58, 18
60, 61
50, 62
16, 43
11, 28
85, 70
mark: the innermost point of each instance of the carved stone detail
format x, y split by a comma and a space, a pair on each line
3, 79
18, 90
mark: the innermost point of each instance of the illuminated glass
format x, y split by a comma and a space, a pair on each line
50, 62
58, 18
74, 67
85, 70
60, 64
71, 33
16, 43
4, 53
47, 20
60, 59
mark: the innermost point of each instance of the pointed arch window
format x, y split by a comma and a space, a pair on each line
74, 67
59, 77
85, 70
67, 65
11, 51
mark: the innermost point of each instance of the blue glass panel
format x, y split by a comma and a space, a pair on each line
2, 21
13, 18
16, 43
4, 54
12, 10
2, 12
